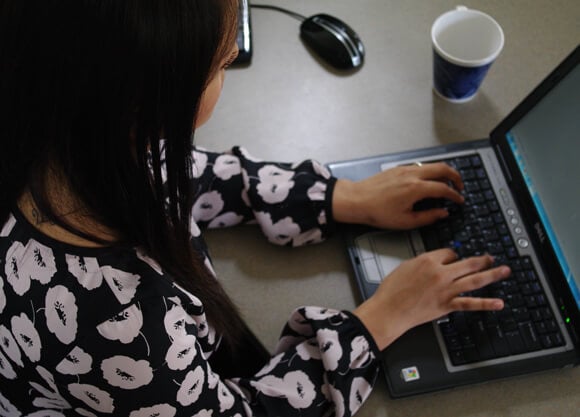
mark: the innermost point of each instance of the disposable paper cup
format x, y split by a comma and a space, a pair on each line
465, 44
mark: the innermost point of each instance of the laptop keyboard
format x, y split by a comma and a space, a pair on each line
527, 322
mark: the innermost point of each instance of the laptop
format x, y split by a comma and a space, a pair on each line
522, 206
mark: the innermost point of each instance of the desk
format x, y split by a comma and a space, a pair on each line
287, 106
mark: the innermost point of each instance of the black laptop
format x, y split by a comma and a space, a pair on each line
522, 206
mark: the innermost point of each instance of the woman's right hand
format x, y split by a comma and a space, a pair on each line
425, 288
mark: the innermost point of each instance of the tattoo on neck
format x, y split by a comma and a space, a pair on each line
38, 219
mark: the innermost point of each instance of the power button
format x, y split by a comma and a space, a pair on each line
504, 195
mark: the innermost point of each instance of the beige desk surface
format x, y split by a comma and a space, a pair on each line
286, 106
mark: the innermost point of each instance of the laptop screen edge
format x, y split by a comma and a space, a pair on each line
499, 138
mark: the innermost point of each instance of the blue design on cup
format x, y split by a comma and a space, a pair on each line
455, 82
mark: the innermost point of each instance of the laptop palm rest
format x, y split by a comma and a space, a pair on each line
380, 252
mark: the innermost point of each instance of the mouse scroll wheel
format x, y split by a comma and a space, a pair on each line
339, 33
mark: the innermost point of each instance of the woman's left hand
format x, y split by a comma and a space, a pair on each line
386, 199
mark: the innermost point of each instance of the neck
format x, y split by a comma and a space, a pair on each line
77, 218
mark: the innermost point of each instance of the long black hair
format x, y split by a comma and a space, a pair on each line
89, 90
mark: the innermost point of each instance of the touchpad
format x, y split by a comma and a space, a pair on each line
381, 252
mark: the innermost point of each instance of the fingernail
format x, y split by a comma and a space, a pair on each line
504, 272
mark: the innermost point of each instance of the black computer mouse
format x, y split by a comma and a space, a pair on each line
333, 40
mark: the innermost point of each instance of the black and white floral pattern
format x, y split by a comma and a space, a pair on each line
105, 332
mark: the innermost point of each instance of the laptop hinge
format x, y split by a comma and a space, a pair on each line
503, 164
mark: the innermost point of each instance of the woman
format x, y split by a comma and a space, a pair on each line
108, 303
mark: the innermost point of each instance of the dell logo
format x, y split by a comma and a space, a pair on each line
540, 232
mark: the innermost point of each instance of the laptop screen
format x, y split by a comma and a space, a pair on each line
546, 147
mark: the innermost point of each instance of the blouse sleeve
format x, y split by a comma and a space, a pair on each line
290, 202
325, 360
324, 363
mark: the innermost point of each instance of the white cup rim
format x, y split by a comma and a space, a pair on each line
463, 62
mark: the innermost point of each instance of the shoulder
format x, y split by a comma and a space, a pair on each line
79, 289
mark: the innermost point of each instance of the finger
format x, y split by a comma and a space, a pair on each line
437, 189
471, 265
476, 304
426, 217
441, 171
444, 256
480, 279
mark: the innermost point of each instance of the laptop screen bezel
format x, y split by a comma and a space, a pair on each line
569, 307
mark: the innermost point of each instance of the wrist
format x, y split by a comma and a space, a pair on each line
383, 327
377, 329
343, 202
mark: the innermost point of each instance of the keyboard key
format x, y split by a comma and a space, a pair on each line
529, 336
457, 357
557, 339
536, 315
491, 318
462, 163
521, 314
486, 223
515, 342
447, 328
516, 265
546, 341
467, 174
506, 240
508, 325
453, 343
471, 186
511, 252
498, 218
502, 229
551, 325
476, 161
444, 234
484, 184
471, 354
499, 341
546, 313
491, 234
489, 195
531, 275
515, 300
541, 300
531, 301
481, 210
482, 341
541, 327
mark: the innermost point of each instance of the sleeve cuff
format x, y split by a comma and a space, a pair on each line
330, 222
366, 333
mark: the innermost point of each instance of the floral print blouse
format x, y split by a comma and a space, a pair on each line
105, 332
